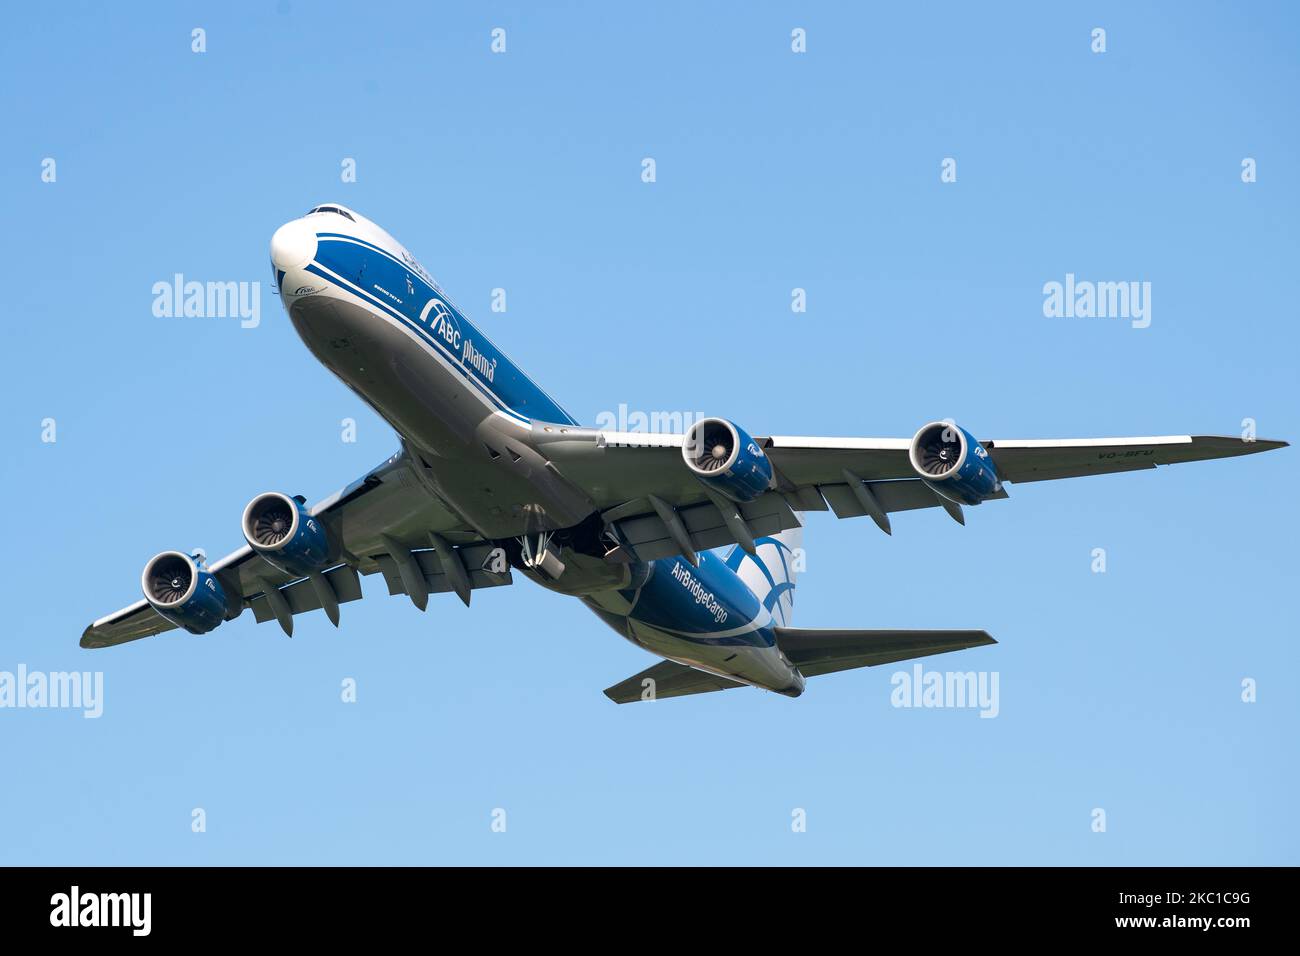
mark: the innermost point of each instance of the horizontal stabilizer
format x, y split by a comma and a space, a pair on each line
820, 651
667, 679
813, 650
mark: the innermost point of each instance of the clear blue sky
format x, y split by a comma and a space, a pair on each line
775, 171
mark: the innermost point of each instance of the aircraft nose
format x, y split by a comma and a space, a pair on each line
293, 245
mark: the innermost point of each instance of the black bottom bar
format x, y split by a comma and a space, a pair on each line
656, 906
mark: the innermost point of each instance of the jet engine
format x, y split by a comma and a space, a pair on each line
726, 459
281, 530
184, 592
953, 463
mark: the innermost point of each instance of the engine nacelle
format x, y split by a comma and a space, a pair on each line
726, 459
280, 530
183, 592
953, 463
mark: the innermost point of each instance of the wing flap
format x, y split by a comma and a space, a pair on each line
894, 496
474, 556
301, 595
649, 538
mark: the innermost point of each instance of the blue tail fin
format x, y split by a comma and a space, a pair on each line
771, 573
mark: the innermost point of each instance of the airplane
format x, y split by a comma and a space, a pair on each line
493, 477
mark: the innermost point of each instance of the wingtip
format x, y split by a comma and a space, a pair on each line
92, 641
1263, 444
1249, 446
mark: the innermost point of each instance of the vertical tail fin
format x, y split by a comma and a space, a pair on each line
771, 573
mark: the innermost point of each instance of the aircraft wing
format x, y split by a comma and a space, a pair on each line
661, 508
383, 522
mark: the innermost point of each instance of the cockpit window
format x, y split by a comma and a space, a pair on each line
341, 212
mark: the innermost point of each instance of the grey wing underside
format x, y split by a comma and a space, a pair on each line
660, 509
388, 510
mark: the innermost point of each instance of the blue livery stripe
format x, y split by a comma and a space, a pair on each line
347, 261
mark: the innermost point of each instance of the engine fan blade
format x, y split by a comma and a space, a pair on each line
272, 526
714, 459
169, 588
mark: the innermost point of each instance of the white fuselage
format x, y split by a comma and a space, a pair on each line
373, 316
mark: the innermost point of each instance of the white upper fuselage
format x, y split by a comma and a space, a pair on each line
375, 317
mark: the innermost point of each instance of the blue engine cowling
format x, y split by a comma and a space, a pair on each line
954, 464
280, 529
184, 592
726, 459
